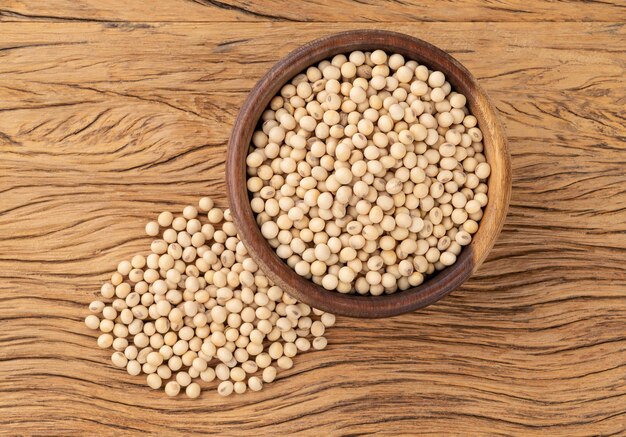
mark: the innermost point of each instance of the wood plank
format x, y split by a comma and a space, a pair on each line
98, 133
352, 11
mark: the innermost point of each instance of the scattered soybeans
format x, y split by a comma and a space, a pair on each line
198, 308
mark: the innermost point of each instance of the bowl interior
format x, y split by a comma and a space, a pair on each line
495, 150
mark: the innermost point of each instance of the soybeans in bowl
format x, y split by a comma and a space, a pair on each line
367, 174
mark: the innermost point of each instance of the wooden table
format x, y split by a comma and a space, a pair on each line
113, 111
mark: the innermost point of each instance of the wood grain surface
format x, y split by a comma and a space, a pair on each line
112, 111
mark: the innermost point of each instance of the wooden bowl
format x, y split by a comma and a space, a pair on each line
434, 287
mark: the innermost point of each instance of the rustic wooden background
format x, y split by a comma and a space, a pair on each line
111, 111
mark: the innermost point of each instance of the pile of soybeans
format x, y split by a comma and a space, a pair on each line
198, 308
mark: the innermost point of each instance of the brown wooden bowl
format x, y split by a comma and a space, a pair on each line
434, 287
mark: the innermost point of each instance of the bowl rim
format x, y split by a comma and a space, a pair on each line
495, 149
